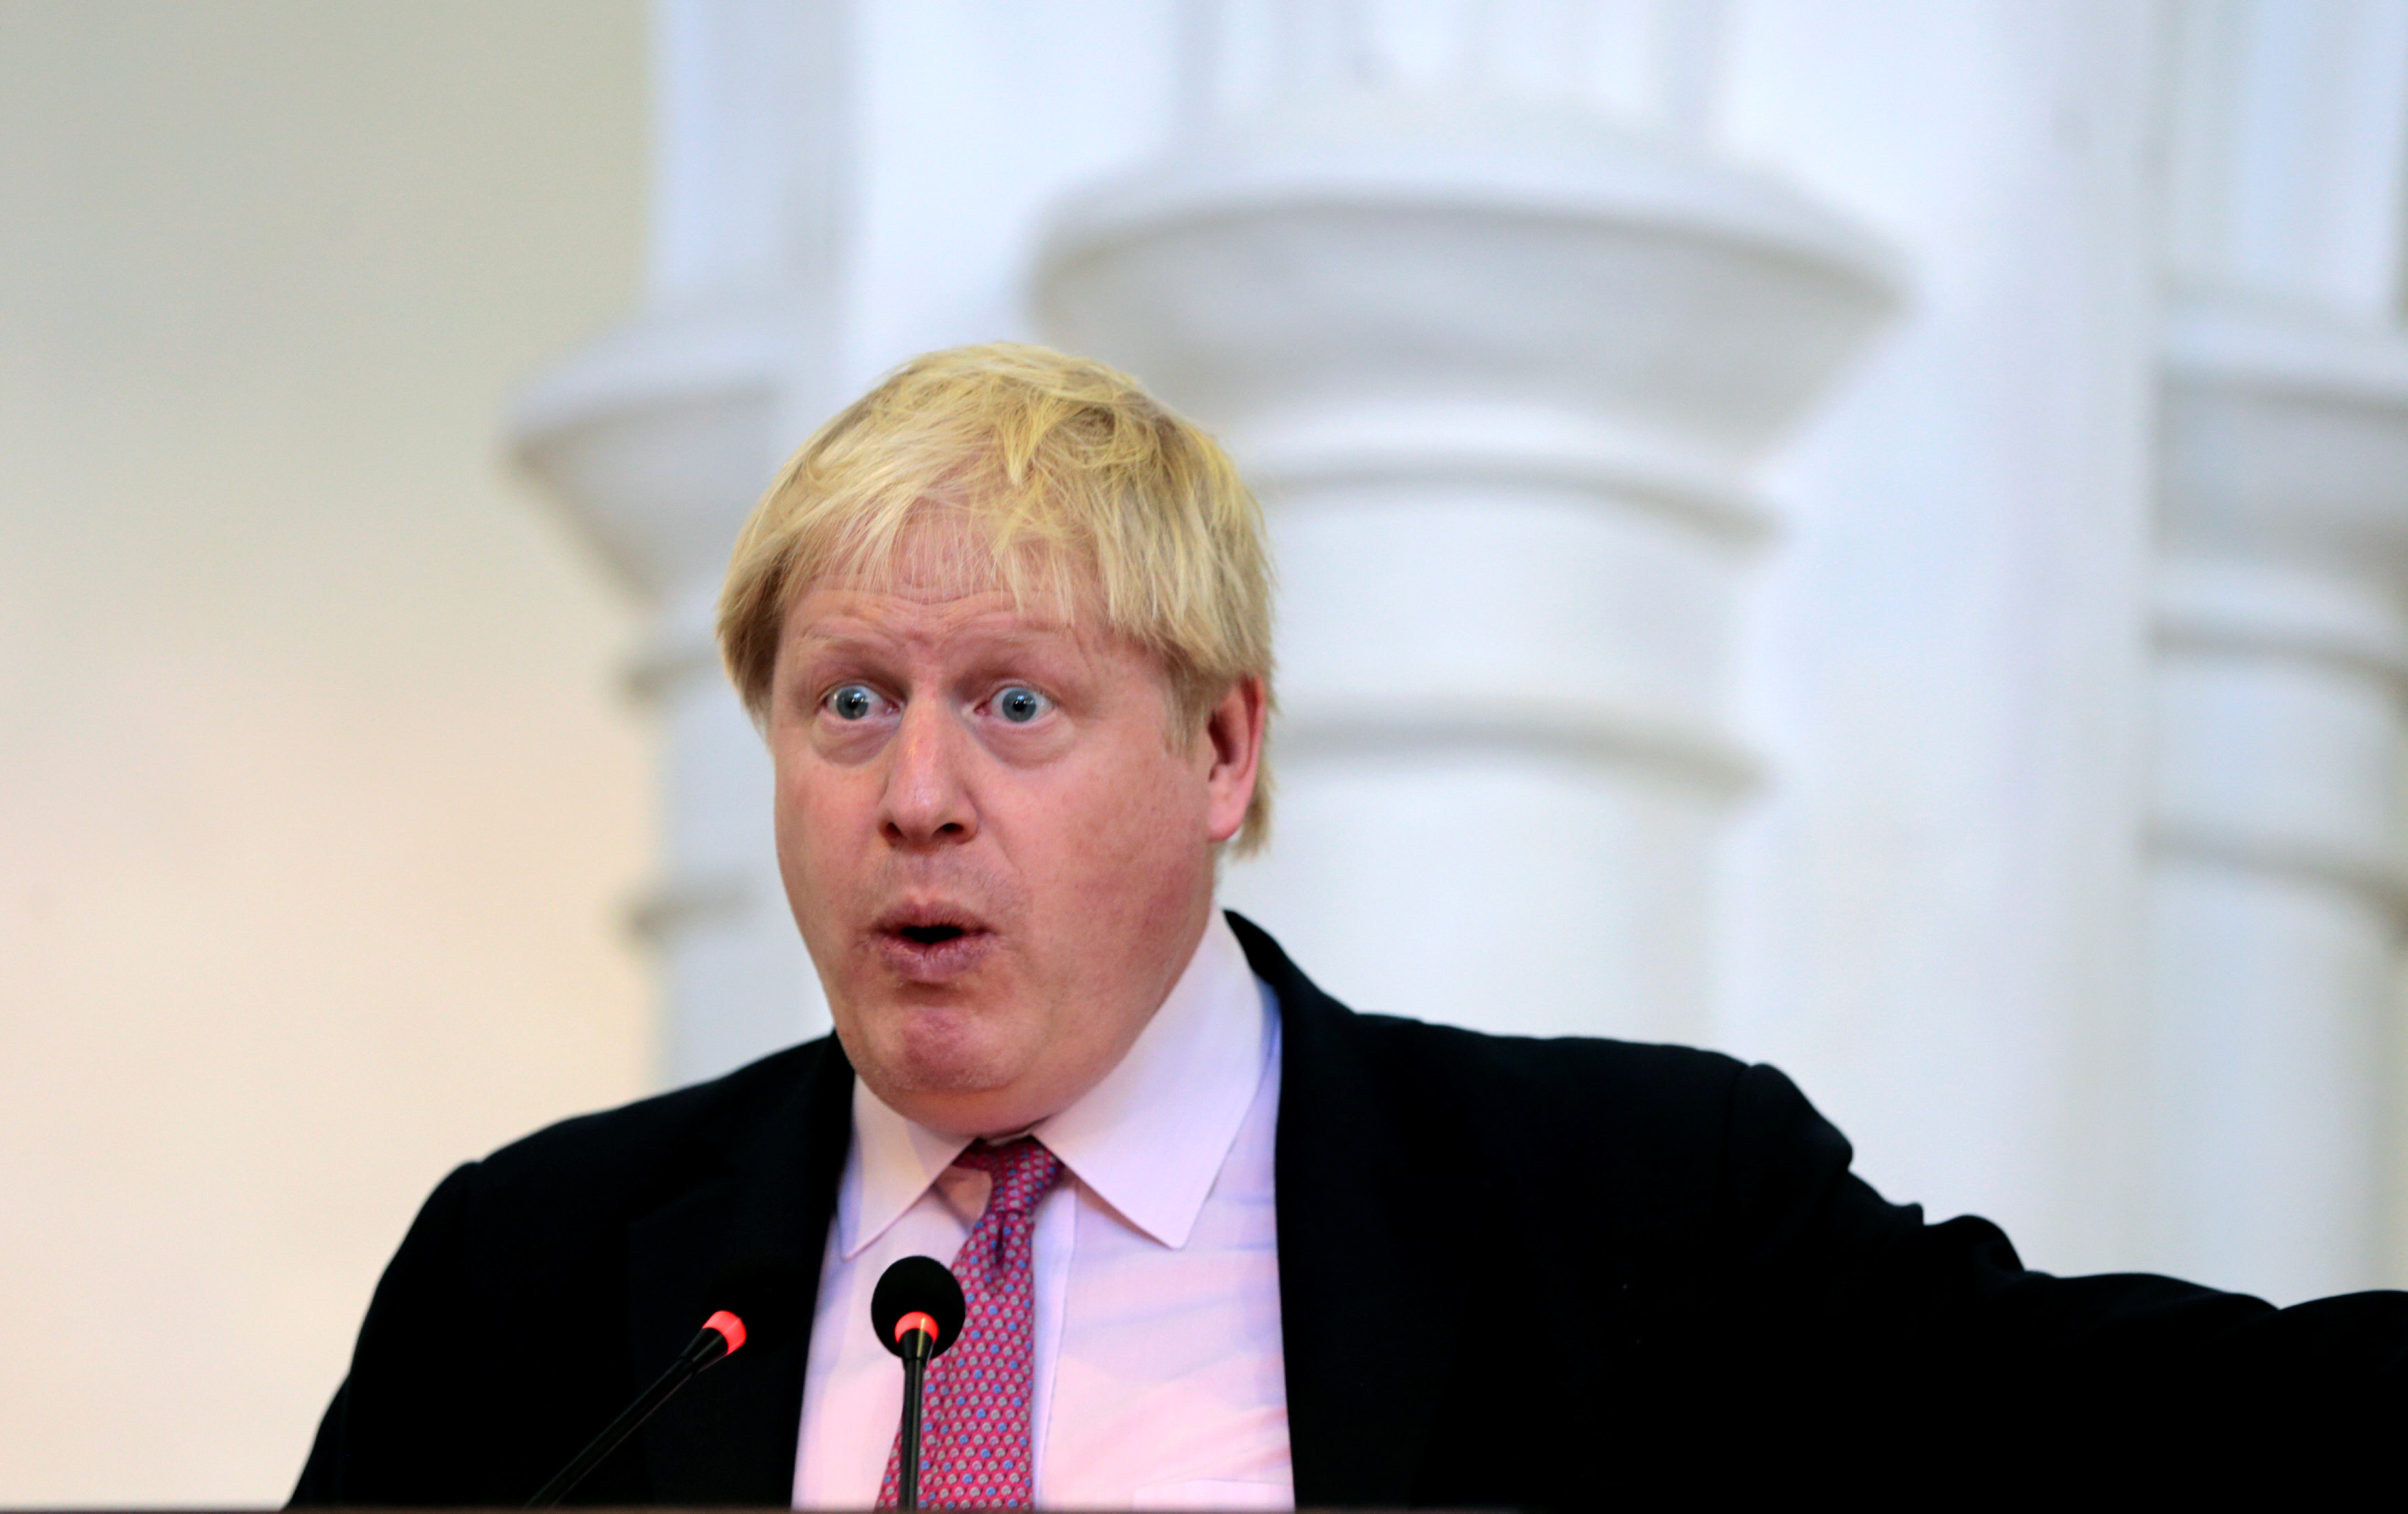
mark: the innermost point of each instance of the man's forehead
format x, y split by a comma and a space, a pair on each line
943, 578
849, 611
967, 608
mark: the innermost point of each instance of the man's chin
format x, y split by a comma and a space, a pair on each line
937, 1077
936, 1050
963, 1102
954, 1085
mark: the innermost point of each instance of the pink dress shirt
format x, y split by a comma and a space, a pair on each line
1159, 1374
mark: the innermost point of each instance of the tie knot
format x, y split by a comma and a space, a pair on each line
1021, 1170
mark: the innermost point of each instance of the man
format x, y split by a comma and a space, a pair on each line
1005, 625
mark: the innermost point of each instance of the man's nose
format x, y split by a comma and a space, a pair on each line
927, 799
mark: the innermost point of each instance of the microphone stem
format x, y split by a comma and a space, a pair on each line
705, 1348
906, 1473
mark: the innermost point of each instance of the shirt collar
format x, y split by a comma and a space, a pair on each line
1148, 1140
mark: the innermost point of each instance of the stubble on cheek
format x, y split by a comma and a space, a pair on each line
1127, 906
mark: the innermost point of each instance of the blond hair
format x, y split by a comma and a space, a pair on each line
1061, 466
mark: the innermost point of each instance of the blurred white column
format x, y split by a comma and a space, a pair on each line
2280, 849
1503, 346
660, 435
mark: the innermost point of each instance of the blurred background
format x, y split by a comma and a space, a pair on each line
1870, 534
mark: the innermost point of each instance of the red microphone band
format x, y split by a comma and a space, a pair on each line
916, 1321
730, 1329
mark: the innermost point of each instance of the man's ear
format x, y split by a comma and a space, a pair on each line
1233, 739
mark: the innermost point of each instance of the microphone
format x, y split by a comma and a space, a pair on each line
917, 1310
756, 1290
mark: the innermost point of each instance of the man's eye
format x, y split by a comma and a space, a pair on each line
854, 702
1021, 705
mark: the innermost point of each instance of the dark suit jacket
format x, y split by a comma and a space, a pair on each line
1511, 1271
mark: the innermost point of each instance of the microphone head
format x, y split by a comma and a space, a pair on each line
917, 1285
765, 1296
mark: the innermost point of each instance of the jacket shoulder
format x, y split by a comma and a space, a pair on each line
1542, 1099
1679, 1151
1576, 1083
633, 1157
533, 1245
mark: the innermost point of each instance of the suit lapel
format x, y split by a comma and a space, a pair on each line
1369, 1265
729, 1437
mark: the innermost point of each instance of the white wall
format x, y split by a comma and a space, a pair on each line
1934, 912
320, 803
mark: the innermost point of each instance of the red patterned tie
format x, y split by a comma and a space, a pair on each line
974, 1446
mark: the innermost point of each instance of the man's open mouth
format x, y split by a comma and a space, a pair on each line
930, 944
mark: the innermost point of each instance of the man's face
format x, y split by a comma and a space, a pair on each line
998, 848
